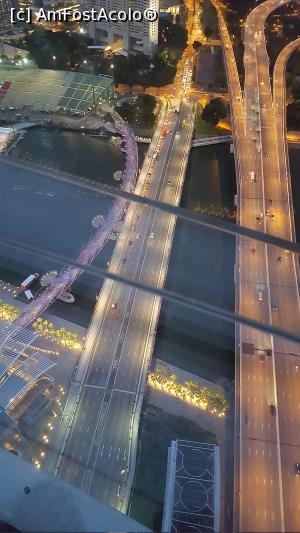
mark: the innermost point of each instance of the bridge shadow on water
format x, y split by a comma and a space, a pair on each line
202, 265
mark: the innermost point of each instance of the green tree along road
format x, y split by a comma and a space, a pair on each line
139, 69
189, 390
62, 336
158, 71
69, 51
214, 111
138, 110
58, 50
196, 45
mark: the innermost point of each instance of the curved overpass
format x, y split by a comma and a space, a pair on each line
264, 465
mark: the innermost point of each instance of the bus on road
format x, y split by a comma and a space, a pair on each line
29, 281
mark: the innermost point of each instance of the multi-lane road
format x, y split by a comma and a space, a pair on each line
96, 450
268, 292
266, 488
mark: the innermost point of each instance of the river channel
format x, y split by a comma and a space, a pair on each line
202, 261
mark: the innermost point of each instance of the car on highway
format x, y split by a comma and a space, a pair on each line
272, 409
274, 308
297, 469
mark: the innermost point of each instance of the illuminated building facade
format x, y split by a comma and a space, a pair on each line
5, 23
133, 36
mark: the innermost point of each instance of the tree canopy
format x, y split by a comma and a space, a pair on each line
56, 49
214, 111
139, 111
196, 45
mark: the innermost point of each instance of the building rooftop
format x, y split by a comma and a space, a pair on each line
52, 90
192, 497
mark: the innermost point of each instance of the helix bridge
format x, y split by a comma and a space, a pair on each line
69, 274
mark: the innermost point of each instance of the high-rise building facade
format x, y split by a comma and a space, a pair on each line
131, 36
5, 22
